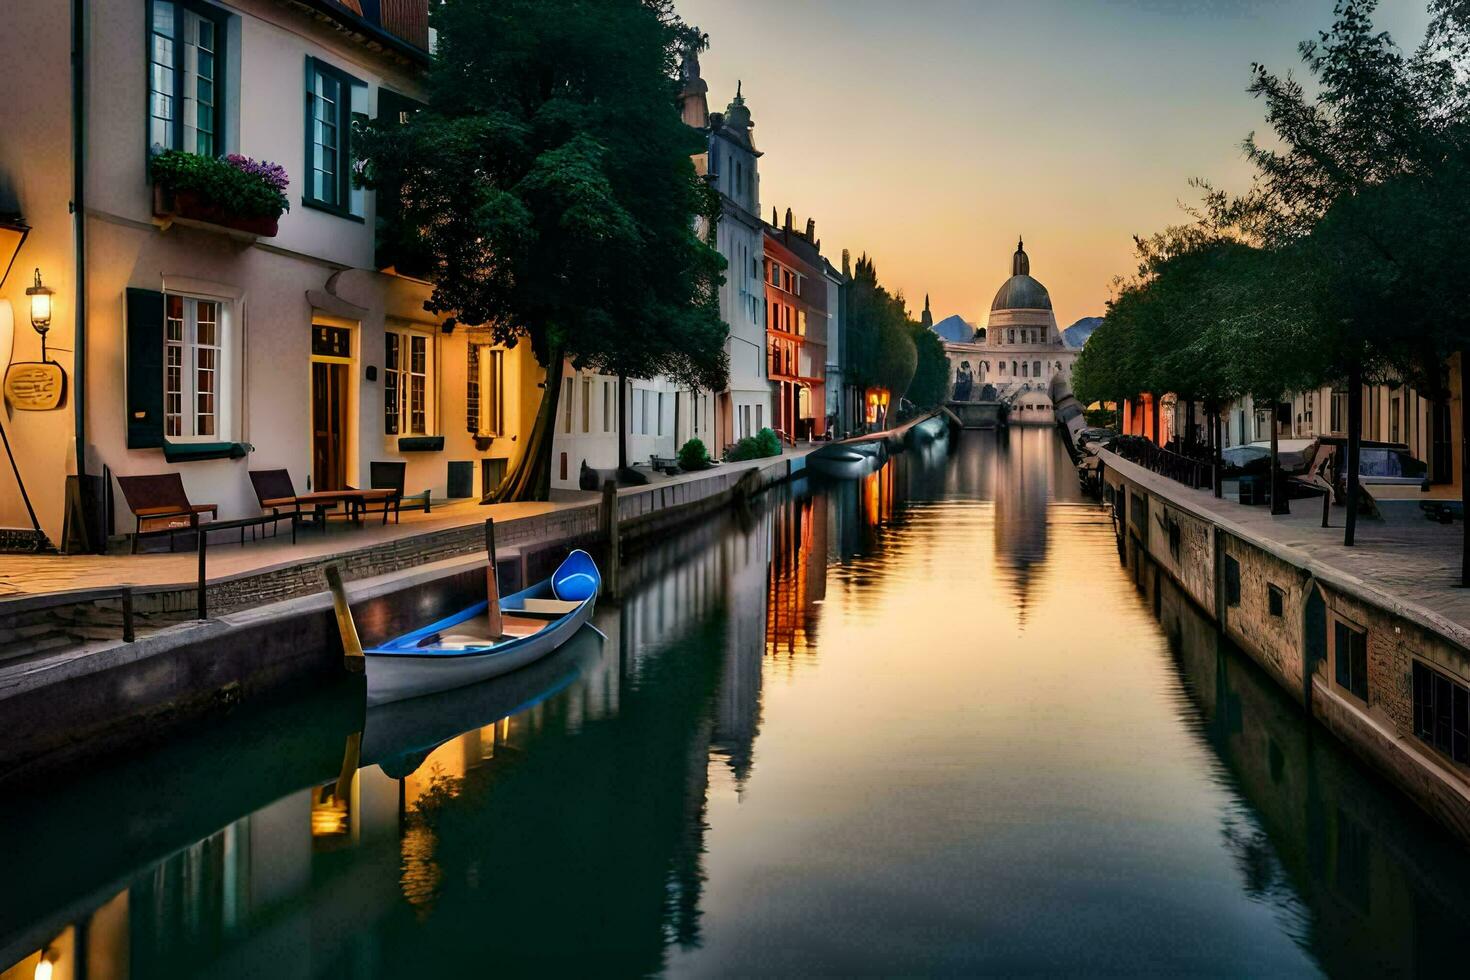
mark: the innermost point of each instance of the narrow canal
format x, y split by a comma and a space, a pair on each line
919, 723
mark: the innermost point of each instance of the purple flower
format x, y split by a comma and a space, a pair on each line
272, 173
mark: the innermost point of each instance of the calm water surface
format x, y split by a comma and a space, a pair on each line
919, 723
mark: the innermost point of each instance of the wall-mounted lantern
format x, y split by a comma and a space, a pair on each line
40, 297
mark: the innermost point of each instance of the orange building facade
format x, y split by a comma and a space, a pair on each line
796, 331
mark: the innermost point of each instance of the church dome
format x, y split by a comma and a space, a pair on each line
1020, 291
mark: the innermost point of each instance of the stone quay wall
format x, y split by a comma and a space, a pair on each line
1287, 612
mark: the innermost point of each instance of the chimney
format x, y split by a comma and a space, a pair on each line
775, 221
788, 220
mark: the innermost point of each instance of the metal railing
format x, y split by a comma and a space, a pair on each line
1192, 471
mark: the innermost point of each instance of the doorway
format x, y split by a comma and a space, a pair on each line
1439, 450
328, 425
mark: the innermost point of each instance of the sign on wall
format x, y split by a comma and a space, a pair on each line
35, 386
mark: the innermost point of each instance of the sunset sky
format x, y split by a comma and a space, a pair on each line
929, 133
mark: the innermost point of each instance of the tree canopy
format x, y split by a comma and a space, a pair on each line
547, 192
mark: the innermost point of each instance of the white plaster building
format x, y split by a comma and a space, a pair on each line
732, 166
1020, 353
203, 351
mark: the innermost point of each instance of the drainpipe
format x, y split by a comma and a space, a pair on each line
79, 244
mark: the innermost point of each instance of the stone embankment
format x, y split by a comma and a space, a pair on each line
1370, 665
273, 627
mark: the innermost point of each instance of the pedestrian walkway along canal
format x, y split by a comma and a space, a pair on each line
917, 723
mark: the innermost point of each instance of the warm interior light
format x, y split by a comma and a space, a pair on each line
43, 968
40, 305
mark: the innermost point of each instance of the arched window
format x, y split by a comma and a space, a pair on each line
1002, 368
1011, 336
1024, 372
1036, 369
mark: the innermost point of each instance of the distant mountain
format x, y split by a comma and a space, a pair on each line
956, 329
1076, 335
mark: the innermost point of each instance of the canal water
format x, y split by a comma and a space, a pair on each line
922, 722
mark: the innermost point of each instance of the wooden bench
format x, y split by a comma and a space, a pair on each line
158, 500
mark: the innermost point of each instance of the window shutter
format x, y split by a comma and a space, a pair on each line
145, 369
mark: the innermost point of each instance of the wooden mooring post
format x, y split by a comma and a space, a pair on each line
610, 582
352, 657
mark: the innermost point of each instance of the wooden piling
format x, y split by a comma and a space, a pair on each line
352, 657
611, 581
494, 621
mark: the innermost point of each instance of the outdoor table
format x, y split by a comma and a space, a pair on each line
356, 502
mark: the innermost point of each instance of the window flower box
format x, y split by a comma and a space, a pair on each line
234, 193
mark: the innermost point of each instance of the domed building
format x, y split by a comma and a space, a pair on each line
1020, 352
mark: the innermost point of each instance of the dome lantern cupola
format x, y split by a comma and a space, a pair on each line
1020, 262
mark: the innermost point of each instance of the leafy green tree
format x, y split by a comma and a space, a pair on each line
930, 386
548, 193
1375, 117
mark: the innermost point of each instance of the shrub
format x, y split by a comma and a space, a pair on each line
239, 185
693, 456
768, 443
764, 443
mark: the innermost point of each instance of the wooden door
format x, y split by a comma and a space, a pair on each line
328, 425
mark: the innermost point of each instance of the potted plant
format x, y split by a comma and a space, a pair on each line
233, 192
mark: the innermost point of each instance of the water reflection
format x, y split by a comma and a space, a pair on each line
1358, 877
911, 723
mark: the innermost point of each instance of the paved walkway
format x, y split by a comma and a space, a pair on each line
35, 574
1403, 556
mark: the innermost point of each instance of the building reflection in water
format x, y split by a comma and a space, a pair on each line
568, 831
1357, 876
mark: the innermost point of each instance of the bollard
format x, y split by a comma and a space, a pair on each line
1326, 507
610, 529
203, 578
127, 611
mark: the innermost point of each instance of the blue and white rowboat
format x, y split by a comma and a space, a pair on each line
459, 650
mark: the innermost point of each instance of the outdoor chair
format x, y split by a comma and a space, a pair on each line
160, 506
393, 475
275, 493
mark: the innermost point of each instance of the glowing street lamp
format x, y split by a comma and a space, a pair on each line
40, 310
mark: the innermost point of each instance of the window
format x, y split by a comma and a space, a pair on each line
659, 418
607, 406
1339, 411
1350, 653
586, 404
1232, 581
185, 77
407, 356
566, 411
330, 95
1025, 370
760, 417
194, 405
1002, 368
1442, 713
1010, 336
1035, 369
1275, 600
485, 390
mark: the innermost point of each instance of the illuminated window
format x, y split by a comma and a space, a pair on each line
194, 399
408, 357
485, 390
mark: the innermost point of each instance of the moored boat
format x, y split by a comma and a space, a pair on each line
463, 648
